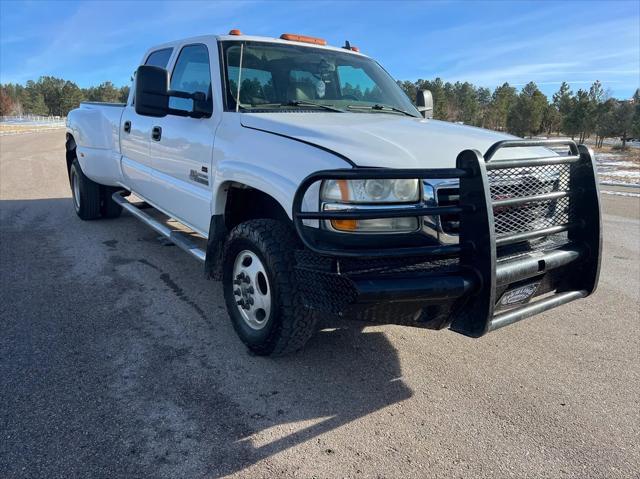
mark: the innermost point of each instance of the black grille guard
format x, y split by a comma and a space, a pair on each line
576, 264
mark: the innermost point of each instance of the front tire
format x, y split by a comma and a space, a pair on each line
85, 193
260, 290
109, 208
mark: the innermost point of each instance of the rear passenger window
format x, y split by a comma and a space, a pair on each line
191, 74
159, 58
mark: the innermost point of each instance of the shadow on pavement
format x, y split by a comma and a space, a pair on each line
119, 360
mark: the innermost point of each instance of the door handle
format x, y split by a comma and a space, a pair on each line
156, 133
127, 126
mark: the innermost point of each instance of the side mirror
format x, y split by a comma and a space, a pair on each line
424, 100
153, 94
152, 91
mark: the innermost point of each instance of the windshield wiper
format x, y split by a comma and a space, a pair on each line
301, 103
312, 103
382, 108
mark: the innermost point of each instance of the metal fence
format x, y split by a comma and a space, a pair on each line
32, 120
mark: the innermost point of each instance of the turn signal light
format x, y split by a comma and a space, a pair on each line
303, 38
235, 31
345, 225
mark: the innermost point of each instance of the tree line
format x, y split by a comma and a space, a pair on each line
527, 112
54, 96
530, 113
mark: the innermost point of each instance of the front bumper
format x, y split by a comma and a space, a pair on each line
412, 280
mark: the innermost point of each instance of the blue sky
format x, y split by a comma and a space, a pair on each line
486, 43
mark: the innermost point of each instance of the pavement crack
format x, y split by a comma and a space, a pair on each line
181, 295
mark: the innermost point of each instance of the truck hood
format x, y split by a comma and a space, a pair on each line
385, 140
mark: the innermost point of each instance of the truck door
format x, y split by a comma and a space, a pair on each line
181, 147
135, 133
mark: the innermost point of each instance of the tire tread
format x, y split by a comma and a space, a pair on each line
108, 207
90, 197
295, 323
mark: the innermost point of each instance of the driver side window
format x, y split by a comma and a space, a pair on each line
192, 73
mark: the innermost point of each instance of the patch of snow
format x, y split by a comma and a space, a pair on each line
616, 168
618, 164
621, 193
620, 173
622, 184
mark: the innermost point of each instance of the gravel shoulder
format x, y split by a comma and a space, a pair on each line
117, 359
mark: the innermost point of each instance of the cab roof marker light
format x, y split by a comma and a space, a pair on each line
348, 46
235, 31
294, 37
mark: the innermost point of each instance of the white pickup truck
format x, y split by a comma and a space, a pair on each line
316, 187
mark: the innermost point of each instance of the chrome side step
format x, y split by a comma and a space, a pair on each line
176, 237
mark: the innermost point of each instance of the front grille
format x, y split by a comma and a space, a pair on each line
450, 224
522, 182
518, 183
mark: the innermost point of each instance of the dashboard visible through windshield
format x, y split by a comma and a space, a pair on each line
271, 77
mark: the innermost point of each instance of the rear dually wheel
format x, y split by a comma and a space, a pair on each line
85, 193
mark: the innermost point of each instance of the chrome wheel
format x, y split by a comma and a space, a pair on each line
251, 289
75, 189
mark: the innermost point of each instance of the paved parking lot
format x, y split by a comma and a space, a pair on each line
117, 359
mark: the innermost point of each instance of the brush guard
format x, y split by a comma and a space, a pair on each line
472, 275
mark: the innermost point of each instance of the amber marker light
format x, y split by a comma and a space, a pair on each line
293, 37
345, 225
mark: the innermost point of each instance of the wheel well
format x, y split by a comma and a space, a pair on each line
70, 146
245, 203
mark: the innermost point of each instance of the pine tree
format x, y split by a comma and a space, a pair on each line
563, 103
502, 101
6, 103
71, 97
527, 115
33, 102
635, 125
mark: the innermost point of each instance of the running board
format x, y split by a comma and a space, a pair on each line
176, 237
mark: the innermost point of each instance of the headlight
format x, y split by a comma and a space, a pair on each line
371, 191
376, 193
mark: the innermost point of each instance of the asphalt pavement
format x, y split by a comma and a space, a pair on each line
117, 359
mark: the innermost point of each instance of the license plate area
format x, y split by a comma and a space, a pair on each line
517, 294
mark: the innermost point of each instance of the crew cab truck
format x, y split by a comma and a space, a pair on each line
321, 189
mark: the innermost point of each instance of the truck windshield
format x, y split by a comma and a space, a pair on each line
276, 77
